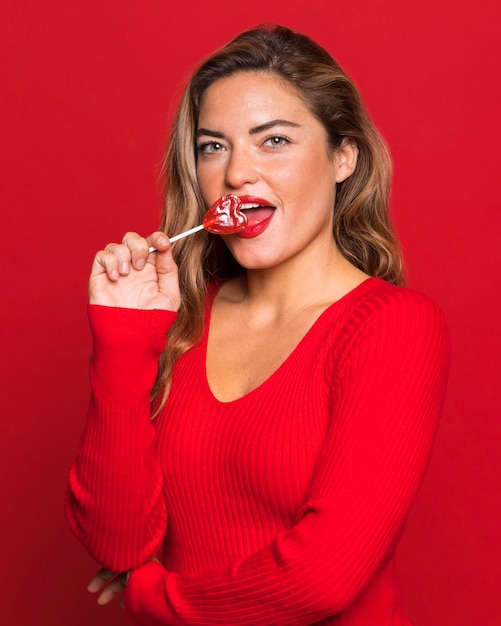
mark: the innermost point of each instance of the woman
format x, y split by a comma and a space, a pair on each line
300, 386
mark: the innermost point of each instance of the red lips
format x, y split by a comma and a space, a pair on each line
259, 213
247, 216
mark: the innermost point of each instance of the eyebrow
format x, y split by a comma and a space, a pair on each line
255, 130
262, 127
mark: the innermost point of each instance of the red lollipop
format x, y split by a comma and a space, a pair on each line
225, 216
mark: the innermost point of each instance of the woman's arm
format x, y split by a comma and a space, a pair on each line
114, 503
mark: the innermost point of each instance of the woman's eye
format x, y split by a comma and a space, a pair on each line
277, 141
210, 147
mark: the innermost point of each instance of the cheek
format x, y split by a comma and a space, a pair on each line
204, 182
211, 172
290, 176
302, 171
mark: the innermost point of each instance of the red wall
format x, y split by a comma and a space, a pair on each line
86, 94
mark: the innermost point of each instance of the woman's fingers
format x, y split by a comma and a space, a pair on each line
115, 588
110, 583
100, 578
166, 268
138, 249
117, 258
159, 241
106, 262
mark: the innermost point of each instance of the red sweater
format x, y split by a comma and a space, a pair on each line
281, 507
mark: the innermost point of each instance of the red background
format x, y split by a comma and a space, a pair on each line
87, 90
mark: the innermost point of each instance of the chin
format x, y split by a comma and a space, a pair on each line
249, 262
253, 257
256, 265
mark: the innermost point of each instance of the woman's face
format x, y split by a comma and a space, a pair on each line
257, 139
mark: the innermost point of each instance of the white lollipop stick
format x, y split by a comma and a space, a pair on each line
195, 229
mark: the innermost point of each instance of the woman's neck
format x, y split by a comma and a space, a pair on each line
298, 283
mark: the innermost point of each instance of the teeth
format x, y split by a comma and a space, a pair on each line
250, 205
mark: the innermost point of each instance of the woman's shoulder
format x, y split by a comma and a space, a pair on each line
377, 310
375, 297
381, 324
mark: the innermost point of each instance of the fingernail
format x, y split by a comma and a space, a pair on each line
163, 241
114, 274
124, 268
140, 263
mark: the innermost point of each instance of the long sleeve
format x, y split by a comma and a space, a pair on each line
388, 386
114, 503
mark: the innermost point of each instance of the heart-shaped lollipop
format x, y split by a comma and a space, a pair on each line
224, 217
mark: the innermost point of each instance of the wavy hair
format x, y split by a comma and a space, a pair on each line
362, 228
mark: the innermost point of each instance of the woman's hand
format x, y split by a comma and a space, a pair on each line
111, 584
127, 275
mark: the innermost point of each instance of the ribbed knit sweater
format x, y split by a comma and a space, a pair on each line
281, 507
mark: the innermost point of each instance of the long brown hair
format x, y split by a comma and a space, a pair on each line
362, 229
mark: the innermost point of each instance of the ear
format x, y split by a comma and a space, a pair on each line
346, 158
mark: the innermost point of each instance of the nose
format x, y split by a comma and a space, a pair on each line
240, 168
